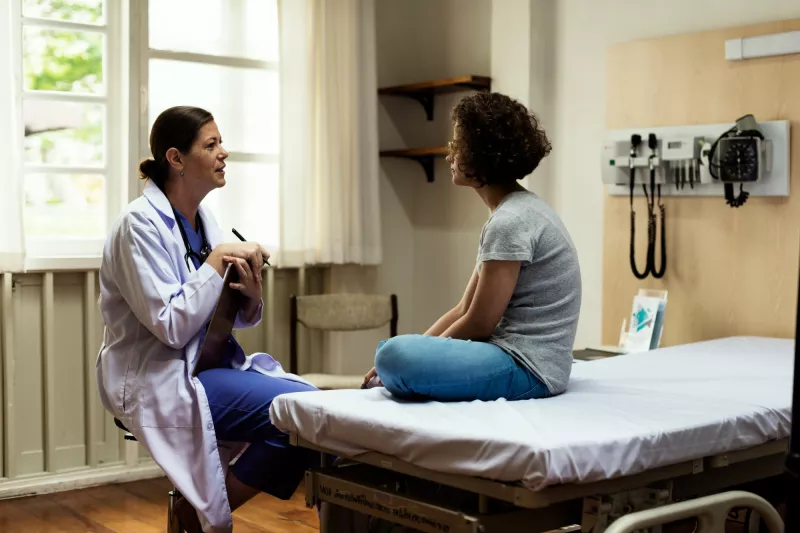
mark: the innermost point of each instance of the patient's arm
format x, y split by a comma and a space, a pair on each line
495, 286
458, 311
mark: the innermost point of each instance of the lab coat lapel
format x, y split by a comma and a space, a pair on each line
159, 200
161, 203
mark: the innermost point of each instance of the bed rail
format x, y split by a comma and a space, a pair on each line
711, 513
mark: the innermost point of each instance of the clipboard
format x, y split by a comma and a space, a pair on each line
220, 327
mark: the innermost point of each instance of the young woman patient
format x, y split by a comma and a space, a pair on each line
512, 334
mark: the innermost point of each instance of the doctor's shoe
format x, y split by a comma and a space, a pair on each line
187, 516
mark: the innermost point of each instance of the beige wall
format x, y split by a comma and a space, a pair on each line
430, 230
523, 67
583, 30
554, 61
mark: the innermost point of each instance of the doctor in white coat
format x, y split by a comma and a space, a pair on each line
160, 278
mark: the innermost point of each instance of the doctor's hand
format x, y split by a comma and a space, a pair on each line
249, 283
252, 252
255, 254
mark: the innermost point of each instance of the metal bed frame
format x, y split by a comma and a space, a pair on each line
398, 492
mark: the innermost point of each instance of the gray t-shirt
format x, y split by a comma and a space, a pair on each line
538, 327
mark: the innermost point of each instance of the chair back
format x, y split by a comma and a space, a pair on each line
340, 312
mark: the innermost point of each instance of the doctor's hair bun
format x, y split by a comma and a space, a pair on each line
148, 169
498, 141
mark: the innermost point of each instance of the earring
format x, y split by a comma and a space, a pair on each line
181, 172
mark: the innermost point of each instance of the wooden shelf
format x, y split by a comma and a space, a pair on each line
448, 85
416, 152
423, 156
425, 92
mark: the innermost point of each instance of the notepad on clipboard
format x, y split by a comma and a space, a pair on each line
213, 349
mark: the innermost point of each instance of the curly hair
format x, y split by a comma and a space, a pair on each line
498, 140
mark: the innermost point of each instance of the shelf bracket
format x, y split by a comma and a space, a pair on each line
426, 157
426, 99
427, 165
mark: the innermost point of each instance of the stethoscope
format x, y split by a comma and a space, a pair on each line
650, 267
205, 249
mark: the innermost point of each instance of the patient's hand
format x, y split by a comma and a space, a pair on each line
372, 380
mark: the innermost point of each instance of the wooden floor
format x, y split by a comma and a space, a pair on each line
140, 507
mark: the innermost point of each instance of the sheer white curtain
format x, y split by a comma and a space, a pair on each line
12, 241
329, 133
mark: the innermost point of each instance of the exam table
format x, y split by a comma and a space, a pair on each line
632, 433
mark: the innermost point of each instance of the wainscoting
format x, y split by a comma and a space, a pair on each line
54, 433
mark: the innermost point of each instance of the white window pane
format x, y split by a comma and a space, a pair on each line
63, 133
59, 60
63, 205
81, 11
248, 202
238, 28
244, 102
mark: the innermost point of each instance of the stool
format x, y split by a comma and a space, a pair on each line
173, 526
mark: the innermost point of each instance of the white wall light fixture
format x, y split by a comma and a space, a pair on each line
776, 44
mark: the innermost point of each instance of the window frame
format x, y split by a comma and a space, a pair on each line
72, 253
126, 138
141, 54
145, 53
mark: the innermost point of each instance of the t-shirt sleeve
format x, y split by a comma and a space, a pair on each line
506, 238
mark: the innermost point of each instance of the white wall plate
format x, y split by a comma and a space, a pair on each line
616, 144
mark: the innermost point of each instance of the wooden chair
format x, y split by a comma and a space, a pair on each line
339, 312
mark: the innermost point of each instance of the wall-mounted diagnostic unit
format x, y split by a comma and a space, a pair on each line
732, 161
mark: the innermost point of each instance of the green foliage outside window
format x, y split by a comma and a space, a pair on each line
62, 60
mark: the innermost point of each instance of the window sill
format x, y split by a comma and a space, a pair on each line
62, 255
62, 264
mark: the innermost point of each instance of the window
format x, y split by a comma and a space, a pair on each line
89, 79
222, 55
71, 112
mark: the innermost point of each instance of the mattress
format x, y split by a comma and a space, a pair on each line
620, 416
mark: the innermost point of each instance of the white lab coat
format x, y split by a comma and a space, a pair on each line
154, 308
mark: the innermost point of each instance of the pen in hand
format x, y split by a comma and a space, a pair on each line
239, 235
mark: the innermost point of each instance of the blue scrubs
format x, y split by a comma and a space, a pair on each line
239, 403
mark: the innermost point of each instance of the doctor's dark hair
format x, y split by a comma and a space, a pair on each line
176, 127
498, 140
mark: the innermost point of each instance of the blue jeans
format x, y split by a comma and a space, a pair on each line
436, 368
239, 404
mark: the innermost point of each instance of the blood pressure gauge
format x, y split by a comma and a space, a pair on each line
739, 159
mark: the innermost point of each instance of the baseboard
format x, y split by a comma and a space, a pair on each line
77, 479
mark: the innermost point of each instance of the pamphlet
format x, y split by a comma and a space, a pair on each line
647, 321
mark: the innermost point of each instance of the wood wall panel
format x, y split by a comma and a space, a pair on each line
70, 405
74, 400
730, 271
28, 431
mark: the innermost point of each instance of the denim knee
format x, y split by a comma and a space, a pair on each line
389, 359
392, 362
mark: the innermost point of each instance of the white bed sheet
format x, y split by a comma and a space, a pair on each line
619, 416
